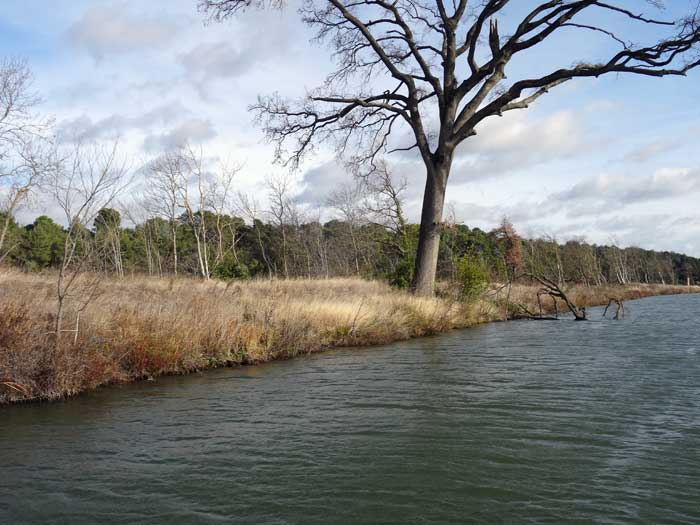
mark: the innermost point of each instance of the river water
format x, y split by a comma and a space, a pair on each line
546, 422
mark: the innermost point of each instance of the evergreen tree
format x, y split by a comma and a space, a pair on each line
42, 244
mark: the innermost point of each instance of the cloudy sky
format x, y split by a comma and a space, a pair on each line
615, 158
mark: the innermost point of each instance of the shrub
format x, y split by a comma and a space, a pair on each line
403, 273
229, 269
472, 275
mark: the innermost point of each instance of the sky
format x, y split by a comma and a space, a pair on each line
614, 159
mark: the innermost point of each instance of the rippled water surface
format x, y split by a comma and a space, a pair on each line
548, 422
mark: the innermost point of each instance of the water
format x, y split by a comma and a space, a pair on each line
523, 422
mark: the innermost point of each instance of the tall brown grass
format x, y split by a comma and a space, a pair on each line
142, 327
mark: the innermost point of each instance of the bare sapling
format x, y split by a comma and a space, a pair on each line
384, 203
388, 194
279, 212
346, 201
141, 214
193, 193
25, 147
165, 179
249, 208
220, 197
88, 179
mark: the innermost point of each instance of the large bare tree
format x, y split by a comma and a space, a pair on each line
438, 68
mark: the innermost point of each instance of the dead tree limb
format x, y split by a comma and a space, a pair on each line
532, 316
619, 311
542, 292
554, 291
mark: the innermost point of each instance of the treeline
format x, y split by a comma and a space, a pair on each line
222, 246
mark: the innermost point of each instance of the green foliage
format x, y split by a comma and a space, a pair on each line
107, 219
472, 275
229, 268
407, 242
459, 240
403, 273
42, 244
469, 256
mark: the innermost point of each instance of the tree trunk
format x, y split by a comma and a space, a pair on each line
174, 235
60, 300
430, 226
354, 248
284, 250
5, 228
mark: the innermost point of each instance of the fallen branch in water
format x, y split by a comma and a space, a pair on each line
553, 290
620, 310
531, 316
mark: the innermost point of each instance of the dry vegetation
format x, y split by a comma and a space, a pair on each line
143, 327
591, 295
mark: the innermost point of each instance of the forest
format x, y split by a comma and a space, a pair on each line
208, 244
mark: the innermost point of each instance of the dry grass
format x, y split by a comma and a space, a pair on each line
142, 327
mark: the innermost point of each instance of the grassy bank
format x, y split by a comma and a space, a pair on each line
137, 327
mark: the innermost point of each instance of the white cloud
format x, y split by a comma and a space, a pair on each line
242, 47
649, 150
104, 30
218, 59
634, 210
318, 182
517, 142
193, 130
85, 128
618, 190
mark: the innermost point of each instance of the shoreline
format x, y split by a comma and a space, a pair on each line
142, 328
